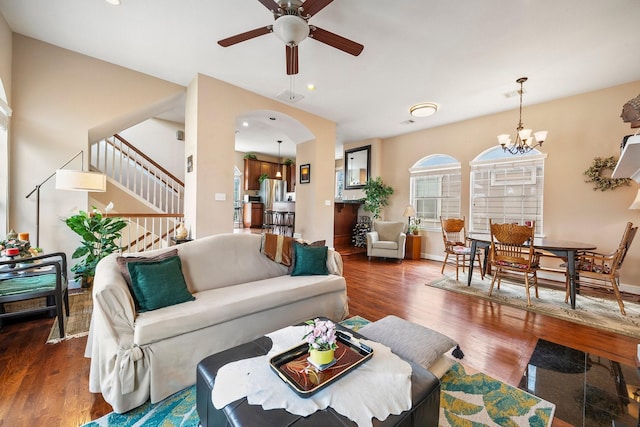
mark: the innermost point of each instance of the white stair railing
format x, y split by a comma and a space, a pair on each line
137, 172
145, 232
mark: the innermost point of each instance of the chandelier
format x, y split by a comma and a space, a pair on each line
524, 141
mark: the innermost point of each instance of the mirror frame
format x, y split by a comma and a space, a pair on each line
367, 150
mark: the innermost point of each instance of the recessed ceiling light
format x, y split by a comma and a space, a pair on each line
424, 109
311, 86
113, 2
245, 124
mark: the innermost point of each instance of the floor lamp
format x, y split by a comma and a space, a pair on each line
70, 180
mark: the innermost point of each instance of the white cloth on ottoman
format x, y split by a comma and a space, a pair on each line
358, 396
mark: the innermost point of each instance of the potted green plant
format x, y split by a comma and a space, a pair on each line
262, 177
376, 196
250, 156
98, 235
288, 162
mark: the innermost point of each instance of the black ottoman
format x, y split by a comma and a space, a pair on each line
425, 396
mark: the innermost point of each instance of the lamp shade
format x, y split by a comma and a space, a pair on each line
80, 181
409, 211
636, 202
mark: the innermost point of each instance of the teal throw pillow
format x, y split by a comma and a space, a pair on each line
310, 260
158, 284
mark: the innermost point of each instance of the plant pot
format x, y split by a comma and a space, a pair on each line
321, 357
86, 282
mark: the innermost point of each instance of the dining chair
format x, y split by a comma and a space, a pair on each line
512, 251
603, 270
456, 244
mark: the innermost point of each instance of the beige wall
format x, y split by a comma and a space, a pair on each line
211, 111
59, 98
580, 128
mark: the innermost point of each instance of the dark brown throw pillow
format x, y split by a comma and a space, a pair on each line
277, 248
124, 269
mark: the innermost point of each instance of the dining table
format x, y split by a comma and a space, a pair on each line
564, 249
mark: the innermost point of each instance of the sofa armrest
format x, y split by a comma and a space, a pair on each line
334, 262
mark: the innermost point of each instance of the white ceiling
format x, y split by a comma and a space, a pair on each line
463, 55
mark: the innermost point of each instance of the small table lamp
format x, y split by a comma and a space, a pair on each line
409, 211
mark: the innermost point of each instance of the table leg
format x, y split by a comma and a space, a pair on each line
571, 266
474, 246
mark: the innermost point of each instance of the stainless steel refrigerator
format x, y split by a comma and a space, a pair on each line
272, 190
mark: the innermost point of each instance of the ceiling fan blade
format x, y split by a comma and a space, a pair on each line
270, 4
311, 7
245, 36
292, 60
334, 40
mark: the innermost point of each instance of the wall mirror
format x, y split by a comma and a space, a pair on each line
357, 167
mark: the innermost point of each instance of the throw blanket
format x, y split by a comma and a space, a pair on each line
278, 248
358, 396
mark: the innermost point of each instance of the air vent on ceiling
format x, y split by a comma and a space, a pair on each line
288, 96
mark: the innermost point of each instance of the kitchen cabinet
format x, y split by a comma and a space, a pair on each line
252, 215
290, 176
254, 168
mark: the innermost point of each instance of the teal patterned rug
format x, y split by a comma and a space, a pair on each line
467, 399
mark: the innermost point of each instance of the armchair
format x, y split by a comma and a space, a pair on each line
47, 278
386, 239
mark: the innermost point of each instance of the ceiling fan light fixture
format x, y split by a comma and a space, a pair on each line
424, 109
291, 29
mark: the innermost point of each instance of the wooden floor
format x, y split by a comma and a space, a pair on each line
47, 385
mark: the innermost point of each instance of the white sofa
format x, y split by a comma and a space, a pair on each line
240, 295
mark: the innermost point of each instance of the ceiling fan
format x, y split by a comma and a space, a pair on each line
292, 26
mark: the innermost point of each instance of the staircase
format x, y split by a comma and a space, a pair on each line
134, 172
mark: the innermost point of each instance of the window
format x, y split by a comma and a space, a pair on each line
237, 181
339, 183
507, 188
435, 189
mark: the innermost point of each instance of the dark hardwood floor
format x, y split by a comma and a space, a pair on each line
47, 385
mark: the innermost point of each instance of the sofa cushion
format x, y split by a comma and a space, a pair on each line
392, 245
158, 284
123, 262
389, 230
310, 260
222, 305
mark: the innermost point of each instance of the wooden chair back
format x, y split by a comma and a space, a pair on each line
453, 232
512, 244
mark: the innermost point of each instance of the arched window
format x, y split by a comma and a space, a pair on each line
506, 188
435, 189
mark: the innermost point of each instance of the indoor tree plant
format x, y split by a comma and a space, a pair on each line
376, 196
98, 235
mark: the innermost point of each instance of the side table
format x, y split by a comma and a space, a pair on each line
177, 241
414, 246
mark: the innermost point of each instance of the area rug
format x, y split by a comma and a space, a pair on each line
593, 311
467, 398
77, 324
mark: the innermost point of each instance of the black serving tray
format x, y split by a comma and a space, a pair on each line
305, 380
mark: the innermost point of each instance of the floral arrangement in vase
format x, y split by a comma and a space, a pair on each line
322, 340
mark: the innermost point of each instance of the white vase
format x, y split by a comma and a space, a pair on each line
181, 231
